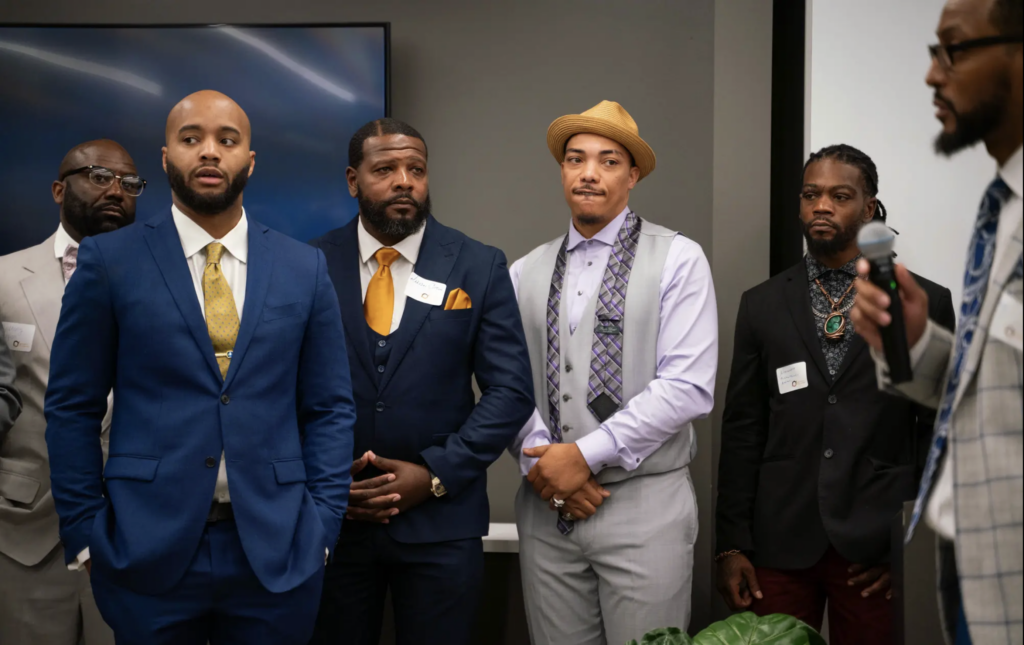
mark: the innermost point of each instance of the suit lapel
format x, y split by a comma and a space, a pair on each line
798, 301
344, 270
438, 253
162, 237
259, 268
857, 346
44, 289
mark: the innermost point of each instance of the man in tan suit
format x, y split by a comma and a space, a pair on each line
41, 601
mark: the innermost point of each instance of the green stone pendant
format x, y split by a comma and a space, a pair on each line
835, 326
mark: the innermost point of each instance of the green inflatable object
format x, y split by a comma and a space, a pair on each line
741, 629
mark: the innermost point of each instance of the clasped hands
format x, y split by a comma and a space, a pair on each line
403, 486
562, 473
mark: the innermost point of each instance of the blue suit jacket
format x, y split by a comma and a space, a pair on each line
284, 415
422, 408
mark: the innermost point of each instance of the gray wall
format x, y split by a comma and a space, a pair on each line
482, 81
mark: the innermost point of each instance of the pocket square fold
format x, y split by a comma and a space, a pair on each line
458, 299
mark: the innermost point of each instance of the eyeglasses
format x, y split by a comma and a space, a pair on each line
104, 177
944, 53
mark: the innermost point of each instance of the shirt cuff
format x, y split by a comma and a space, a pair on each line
535, 440
917, 351
599, 450
79, 563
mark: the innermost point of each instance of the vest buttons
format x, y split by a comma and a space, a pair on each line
828, 453
568, 367
225, 399
380, 406
566, 428
566, 398
210, 462
382, 343
380, 369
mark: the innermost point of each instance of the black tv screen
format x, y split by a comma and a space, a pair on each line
306, 90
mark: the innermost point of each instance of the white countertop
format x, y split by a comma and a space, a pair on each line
503, 538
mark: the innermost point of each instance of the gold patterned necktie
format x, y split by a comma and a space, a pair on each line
221, 313
379, 305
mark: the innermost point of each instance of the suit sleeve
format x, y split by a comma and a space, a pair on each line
326, 409
82, 370
502, 369
744, 435
10, 400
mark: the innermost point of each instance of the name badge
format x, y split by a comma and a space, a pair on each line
425, 290
19, 336
792, 377
1007, 322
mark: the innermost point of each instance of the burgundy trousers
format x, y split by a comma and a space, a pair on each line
803, 593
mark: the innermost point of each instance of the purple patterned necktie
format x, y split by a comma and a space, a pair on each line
606, 361
69, 262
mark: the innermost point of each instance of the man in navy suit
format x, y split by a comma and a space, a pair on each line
231, 442
426, 309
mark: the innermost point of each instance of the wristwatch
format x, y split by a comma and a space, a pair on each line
436, 487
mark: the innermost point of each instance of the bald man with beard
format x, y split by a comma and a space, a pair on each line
231, 444
41, 602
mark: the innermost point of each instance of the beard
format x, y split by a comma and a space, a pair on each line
87, 219
397, 227
207, 204
972, 127
827, 248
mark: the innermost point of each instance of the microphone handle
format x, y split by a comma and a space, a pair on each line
894, 336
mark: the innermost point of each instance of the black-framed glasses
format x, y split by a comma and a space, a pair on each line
104, 177
944, 53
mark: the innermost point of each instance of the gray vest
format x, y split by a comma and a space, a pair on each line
639, 354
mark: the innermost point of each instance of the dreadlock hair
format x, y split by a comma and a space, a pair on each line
854, 157
378, 128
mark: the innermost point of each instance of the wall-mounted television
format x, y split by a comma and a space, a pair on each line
306, 89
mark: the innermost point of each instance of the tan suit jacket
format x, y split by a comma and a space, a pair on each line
31, 289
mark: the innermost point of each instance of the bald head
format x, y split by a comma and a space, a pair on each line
101, 152
204, 106
207, 157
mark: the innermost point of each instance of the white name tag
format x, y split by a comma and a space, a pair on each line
792, 377
19, 336
425, 290
1008, 322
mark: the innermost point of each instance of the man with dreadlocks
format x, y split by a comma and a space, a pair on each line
815, 459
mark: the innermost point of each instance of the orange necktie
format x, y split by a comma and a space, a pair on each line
379, 305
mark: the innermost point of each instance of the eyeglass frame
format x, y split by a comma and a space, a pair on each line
942, 52
120, 178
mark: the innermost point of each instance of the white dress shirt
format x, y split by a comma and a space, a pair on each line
401, 268
941, 511
61, 244
687, 347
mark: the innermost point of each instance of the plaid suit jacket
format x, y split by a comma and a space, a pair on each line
985, 444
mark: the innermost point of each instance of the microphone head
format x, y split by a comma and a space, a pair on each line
876, 241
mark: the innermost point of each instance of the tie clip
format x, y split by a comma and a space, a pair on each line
227, 354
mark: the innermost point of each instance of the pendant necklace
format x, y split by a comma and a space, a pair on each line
835, 323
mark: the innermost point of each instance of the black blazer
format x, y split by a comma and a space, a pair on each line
827, 464
414, 394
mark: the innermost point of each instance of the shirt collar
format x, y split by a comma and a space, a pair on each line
816, 269
1012, 173
606, 235
194, 239
62, 241
409, 248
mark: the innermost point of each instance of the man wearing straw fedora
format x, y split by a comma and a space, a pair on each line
622, 331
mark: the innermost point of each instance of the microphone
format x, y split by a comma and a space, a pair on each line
876, 241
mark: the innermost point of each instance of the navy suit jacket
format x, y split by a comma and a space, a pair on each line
284, 415
422, 409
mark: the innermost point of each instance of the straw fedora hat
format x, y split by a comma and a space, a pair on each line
608, 119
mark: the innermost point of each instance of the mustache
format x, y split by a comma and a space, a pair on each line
938, 98
822, 220
110, 206
406, 199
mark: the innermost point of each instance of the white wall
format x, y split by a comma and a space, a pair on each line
867, 62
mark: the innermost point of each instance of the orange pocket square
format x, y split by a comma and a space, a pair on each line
458, 299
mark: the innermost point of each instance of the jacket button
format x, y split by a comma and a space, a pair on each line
382, 343
380, 406
828, 453
225, 399
832, 399
380, 369
210, 462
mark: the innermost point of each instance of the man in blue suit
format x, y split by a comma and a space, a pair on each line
425, 309
231, 442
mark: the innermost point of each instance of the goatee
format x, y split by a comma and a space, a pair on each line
971, 127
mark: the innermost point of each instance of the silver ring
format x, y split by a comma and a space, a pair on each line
568, 517
559, 503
